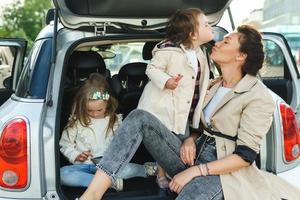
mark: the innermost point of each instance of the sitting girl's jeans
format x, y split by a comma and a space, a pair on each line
164, 146
80, 175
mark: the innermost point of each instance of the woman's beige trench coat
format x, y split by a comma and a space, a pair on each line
246, 112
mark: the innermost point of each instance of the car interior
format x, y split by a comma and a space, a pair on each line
127, 86
7, 56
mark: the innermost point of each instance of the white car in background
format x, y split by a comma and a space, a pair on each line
32, 118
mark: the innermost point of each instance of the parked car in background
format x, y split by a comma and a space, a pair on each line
41, 91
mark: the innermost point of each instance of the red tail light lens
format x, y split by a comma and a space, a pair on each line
13, 155
291, 134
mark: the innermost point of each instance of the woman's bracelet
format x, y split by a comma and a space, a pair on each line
203, 169
207, 169
200, 170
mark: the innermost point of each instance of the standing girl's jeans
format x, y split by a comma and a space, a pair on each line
164, 146
82, 174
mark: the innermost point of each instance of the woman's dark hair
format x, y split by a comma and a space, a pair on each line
251, 44
181, 24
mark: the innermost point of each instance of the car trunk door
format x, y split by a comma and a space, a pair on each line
137, 13
280, 72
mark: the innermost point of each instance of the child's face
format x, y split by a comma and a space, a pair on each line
204, 32
96, 108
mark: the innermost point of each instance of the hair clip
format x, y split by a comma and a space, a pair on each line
97, 95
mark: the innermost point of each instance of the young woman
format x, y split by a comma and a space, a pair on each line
178, 75
238, 112
89, 132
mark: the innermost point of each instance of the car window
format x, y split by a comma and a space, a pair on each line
7, 59
123, 53
293, 40
34, 76
274, 61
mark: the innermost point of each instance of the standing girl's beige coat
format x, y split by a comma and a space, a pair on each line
246, 112
172, 107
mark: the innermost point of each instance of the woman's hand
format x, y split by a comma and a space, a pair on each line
182, 178
83, 156
188, 151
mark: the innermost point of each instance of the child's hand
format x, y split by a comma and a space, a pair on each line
172, 83
83, 156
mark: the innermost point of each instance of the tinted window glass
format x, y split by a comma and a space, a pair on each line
34, 77
123, 53
274, 61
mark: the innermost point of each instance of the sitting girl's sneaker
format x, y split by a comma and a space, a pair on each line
117, 184
162, 182
151, 168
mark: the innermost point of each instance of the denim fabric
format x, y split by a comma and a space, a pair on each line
140, 126
164, 146
203, 187
82, 174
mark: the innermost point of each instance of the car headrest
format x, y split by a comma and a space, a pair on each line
133, 76
136, 69
147, 50
86, 62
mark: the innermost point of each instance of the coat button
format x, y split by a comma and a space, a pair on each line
188, 102
193, 77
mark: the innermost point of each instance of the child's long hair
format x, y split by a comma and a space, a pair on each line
181, 24
95, 82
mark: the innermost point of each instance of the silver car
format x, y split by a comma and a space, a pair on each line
114, 38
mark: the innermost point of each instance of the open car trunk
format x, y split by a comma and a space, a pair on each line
139, 13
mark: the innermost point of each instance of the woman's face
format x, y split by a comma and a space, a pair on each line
204, 32
227, 51
96, 108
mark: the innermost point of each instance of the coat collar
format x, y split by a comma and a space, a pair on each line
244, 85
181, 49
199, 53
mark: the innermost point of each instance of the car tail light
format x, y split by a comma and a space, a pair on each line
291, 134
13, 155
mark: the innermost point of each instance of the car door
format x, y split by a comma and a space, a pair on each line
12, 53
280, 72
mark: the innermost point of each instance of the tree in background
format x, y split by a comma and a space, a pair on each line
24, 20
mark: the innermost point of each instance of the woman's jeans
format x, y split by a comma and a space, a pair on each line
82, 174
141, 126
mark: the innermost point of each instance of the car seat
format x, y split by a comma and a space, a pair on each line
147, 49
129, 83
81, 64
128, 86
